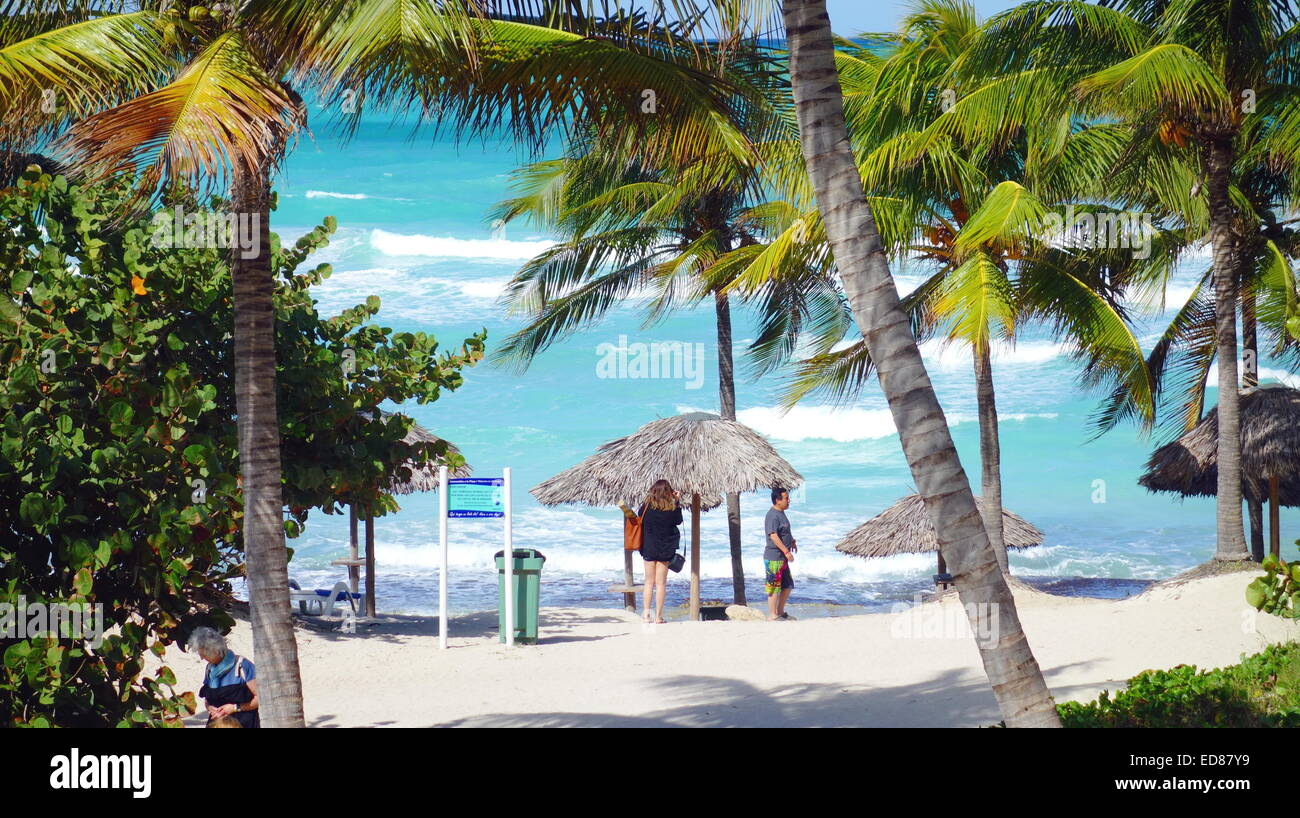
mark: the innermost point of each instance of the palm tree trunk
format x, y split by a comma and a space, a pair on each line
1013, 672
727, 396
275, 648
1231, 543
990, 456
1250, 378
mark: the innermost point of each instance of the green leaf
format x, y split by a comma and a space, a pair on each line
16, 655
83, 582
21, 280
34, 509
10, 311
120, 412
1256, 591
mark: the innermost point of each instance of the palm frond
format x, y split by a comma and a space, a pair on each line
221, 113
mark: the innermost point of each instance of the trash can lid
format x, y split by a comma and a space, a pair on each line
522, 554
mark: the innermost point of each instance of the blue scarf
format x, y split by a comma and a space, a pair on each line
220, 669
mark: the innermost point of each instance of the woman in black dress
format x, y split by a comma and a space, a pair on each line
661, 514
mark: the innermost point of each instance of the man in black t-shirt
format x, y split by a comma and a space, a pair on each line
778, 554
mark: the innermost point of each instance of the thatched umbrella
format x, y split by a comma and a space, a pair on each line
423, 477
703, 456
1270, 455
905, 528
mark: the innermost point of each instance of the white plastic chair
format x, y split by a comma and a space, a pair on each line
324, 602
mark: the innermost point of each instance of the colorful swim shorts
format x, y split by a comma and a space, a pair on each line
778, 576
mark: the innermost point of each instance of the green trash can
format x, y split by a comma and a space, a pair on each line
528, 588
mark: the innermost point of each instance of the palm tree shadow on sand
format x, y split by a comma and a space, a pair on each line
951, 698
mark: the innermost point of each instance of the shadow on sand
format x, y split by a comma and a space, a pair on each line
555, 626
944, 700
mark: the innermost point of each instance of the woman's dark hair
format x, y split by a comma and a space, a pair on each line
661, 496
777, 491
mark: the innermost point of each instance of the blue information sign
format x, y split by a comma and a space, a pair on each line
476, 497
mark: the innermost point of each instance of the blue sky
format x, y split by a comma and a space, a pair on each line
849, 17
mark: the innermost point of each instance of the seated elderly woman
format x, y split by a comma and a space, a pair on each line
229, 685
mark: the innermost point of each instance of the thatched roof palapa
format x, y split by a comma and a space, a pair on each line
424, 476
1270, 447
699, 453
905, 528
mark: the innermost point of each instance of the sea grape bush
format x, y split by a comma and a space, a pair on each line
1278, 591
1262, 691
118, 453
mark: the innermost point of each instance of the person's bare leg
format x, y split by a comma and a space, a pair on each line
785, 594
661, 582
649, 586
773, 601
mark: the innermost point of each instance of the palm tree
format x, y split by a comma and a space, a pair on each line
1213, 79
1013, 672
626, 225
207, 98
61, 61
976, 212
1181, 359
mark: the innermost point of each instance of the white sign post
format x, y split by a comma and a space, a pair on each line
510, 563
442, 570
476, 497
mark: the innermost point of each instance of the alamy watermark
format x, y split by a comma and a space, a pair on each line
917, 621
57, 620
206, 229
1110, 230
75, 771
678, 360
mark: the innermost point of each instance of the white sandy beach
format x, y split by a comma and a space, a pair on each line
602, 667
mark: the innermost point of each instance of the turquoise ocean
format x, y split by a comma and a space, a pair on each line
414, 230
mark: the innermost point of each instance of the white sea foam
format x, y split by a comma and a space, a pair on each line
1174, 296
1266, 374
1290, 379
947, 355
591, 547
399, 244
944, 354
906, 283
482, 288
842, 425
327, 194
812, 422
